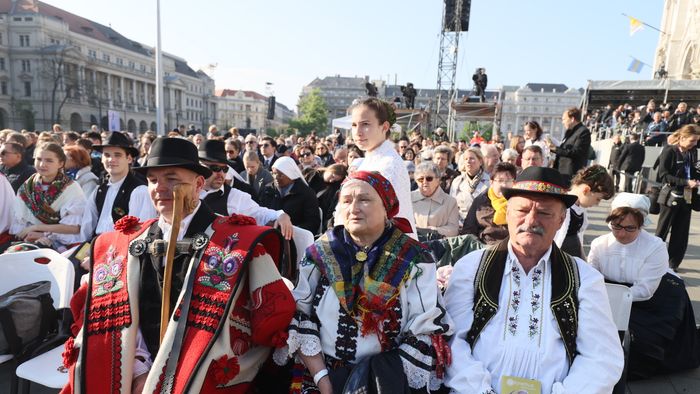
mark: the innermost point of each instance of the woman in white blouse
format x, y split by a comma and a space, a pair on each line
371, 127
533, 136
662, 322
49, 205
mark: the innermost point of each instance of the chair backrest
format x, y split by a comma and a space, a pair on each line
620, 298
302, 240
22, 268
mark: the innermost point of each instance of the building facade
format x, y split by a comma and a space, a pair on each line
678, 49
541, 102
338, 93
246, 109
57, 67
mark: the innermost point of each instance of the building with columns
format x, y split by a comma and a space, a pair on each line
58, 67
246, 109
678, 49
541, 102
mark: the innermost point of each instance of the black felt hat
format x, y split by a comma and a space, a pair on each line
213, 150
118, 140
174, 152
540, 181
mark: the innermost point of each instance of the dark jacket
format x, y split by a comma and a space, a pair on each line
615, 156
268, 166
300, 204
262, 179
672, 167
632, 157
678, 120
479, 221
18, 174
572, 154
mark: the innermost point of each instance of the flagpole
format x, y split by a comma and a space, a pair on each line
159, 76
644, 23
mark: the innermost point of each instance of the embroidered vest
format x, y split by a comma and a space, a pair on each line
217, 202
564, 302
120, 207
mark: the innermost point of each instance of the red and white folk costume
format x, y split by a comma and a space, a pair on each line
237, 306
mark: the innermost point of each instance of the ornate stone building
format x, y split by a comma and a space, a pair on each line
58, 67
678, 49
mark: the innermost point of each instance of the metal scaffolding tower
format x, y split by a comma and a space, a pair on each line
455, 19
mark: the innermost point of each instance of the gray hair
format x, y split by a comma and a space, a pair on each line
428, 166
445, 150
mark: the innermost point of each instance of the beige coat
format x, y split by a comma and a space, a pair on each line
438, 212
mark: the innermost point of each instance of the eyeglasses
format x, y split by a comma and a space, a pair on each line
629, 229
427, 179
216, 168
504, 181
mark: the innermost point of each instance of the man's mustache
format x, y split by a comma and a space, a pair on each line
539, 230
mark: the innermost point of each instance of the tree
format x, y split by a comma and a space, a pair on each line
61, 76
313, 113
484, 128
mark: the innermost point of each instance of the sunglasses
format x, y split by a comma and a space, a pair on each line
216, 168
265, 145
306, 154
629, 229
427, 179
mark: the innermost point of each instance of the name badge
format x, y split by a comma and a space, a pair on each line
515, 385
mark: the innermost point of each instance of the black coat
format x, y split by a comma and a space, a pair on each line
631, 158
18, 174
572, 154
300, 204
615, 156
671, 167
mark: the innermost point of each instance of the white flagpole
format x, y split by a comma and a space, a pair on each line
159, 76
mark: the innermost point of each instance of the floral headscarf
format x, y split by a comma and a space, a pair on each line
387, 194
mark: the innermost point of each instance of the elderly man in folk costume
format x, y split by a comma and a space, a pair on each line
224, 307
528, 316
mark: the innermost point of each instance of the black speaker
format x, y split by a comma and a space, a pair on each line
448, 23
271, 107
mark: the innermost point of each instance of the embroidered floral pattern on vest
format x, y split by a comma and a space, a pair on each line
221, 265
107, 275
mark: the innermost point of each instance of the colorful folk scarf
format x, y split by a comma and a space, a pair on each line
370, 295
499, 206
39, 200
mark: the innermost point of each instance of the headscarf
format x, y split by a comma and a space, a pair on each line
387, 194
289, 168
637, 201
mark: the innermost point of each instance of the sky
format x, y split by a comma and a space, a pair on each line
289, 43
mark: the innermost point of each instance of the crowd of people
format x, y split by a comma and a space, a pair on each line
522, 302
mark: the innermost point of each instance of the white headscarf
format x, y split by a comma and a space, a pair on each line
639, 202
289, 168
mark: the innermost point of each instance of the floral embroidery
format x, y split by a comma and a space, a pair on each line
536, 277
534, 324
516, 274
515, 303
513, 324
119, 211
225, 369
127, 224
222, 265
107, 274
39, 201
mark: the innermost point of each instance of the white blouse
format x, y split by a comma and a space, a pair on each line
70, 205
386, 161
523, 339
641, 263
7, 200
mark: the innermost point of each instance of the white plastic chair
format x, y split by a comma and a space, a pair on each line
620, 299
24, 268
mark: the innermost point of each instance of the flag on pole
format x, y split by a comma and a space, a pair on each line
636, 65
635, 25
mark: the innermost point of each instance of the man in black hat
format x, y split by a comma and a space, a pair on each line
527, 312
225, 200
121, 192
222, 271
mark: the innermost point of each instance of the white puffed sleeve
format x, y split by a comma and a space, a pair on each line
141, 205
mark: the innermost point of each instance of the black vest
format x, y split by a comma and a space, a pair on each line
120, 208
564, 302
217, 201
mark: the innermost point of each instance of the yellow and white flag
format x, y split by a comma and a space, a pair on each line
635, 25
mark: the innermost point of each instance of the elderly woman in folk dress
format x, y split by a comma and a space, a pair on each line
367, 289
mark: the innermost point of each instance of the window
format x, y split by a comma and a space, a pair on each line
105, 57
24, 40
28, 19
143, 68
26, 66
120, 61
92, 53
2, 64
17, 19
3, 88
27, 89
132, 65
0, 38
